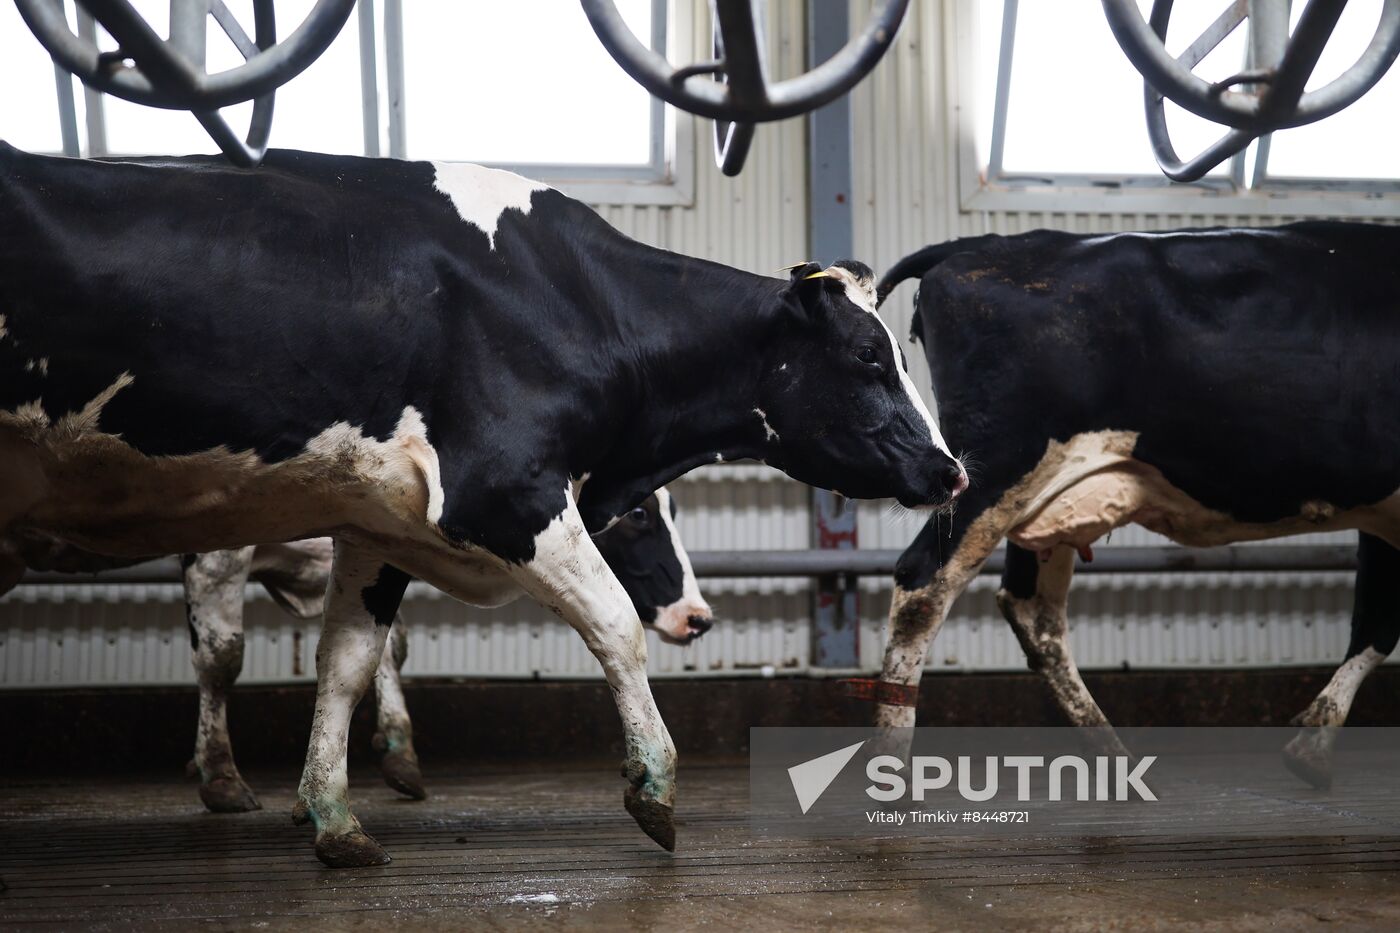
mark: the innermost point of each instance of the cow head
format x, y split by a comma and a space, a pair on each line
836, 404
647, 556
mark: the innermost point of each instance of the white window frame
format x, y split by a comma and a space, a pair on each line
668, 178
986, 188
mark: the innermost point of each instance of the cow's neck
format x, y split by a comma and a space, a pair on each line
702, 326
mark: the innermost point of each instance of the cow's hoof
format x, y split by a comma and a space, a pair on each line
354, 849
228, 795
655, 818
401, 773
1307, 760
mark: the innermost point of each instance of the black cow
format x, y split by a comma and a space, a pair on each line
1213, 386
455, 372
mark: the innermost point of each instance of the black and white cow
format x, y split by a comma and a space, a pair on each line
1214, 386
643, 549
455, 372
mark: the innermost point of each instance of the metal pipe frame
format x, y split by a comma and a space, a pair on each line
1251, 111
1282, 558
165, 77
746, 101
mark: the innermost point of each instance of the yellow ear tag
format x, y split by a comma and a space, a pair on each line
818, 275
796, 265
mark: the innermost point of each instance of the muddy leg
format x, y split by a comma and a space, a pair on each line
569, 575
1375, 627
393, 740
1034, 598
214, 607
925, 589
361, 601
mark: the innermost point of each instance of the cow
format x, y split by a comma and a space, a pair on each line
1214, 386
643, 550
454, 371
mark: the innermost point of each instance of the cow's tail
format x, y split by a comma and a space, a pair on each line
915, 265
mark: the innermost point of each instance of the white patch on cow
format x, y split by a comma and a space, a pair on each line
41, 365
769, 433
862, 294
674, 620
481, 195
719, 458
3, 330
406, 460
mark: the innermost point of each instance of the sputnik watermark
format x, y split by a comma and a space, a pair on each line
1113, 778
957, 782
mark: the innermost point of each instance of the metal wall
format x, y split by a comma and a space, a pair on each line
906, 195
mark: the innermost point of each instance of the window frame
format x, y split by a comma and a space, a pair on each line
989, 188
667, 178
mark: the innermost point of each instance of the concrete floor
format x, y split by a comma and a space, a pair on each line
501, 847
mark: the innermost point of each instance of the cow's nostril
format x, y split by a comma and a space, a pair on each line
699, 625
953, 478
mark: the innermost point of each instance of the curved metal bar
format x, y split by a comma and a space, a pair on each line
177, 84
1243, 110
1157, 132
245, 153
708, 98
732, 142
739, 48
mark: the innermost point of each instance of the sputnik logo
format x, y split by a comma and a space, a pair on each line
811, 778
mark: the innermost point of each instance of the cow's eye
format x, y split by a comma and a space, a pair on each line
639, 516
866, 354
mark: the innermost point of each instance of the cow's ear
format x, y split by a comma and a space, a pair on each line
808, 283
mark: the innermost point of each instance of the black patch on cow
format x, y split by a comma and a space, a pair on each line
1375, 614
1019, 576
641, 553
194, 632
255, 309
382, 598
187, 561
1257, 366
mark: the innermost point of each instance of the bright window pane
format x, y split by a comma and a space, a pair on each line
1359, 142
29, 111
521, 83
1076, 102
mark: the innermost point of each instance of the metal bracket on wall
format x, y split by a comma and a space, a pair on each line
170, 73
733, 88
1268, 95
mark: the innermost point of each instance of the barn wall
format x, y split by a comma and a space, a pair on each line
906, 195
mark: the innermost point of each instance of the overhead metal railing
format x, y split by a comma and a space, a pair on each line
733, 88
1268, 95
880, 563
171, 73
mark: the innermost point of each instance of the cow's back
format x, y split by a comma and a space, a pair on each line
1259, 368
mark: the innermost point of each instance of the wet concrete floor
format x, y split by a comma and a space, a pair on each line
503, 847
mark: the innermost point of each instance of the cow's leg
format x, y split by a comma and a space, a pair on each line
393, 739
361, 601
1375, 627
1034, 598
924, 592
214, 585
569, 575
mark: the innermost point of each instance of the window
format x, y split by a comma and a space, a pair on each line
1059, 107
472, 81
